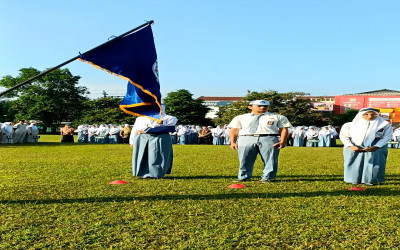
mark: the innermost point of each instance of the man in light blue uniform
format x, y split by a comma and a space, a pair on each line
258, 132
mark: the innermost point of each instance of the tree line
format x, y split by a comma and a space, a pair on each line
56, 97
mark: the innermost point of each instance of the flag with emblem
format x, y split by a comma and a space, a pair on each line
132, 57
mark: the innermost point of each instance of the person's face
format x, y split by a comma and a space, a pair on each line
258, 109
369, 116
204, 127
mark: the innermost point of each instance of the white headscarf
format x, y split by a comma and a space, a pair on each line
7, 127
114, 130
362, 132
325, 131
33, 126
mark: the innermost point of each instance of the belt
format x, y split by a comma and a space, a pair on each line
261, 135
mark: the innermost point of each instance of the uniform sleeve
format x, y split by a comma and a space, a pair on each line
345, 135
235, 123
170, 120
387, 135
283, 122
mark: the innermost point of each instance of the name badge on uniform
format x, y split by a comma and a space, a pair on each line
270, 123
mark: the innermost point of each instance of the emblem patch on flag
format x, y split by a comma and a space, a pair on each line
155, 69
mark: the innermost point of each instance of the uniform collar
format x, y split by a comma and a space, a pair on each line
252, 114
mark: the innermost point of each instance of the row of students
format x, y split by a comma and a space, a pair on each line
186, 134
20, 132
312, 136
97, 134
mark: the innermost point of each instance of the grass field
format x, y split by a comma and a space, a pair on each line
58, 196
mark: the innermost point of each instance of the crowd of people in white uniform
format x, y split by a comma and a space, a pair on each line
300, 136
103, 133
312, 136
20, 132
395, 142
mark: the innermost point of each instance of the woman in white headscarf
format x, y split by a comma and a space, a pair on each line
299, 135
217, 134
365, 149
102, 134
92, 133
182, 134
334, 135
7, 131
312, 137
324, 137
114, 134
396, 138
32, 133
152, 146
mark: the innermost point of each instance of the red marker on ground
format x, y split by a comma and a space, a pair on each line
236, 186
357, 189
118, 182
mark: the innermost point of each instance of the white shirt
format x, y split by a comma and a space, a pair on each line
142, 123
269, 123
384, 136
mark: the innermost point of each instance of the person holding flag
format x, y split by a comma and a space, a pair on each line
152, 146
133, 57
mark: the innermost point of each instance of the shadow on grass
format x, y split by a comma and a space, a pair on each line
283, 178
380, 192
200, 177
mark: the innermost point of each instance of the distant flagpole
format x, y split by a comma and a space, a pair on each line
72, 59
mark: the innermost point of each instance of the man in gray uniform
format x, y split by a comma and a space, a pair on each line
258, 132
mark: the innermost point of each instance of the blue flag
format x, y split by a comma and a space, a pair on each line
133, 58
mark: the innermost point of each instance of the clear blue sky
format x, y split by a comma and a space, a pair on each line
217, 47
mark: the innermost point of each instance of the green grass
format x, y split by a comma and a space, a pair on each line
57, 196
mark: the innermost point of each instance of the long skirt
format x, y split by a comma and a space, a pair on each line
182, 139
33, 137
298, 141
152, 155
67, 138
324, 141
333, 141
113, 138
365, 167
227, 141
7, 138
81, 137
92, 139
218, 140
312, 142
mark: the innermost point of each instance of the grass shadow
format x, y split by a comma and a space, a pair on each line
200, 177
379, 192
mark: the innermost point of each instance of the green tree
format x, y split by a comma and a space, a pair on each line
188, 110
347, 116
7, 111
105, 110
293, 105
52, 98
